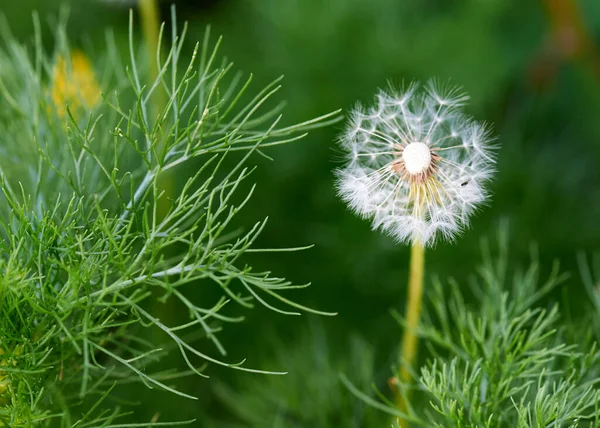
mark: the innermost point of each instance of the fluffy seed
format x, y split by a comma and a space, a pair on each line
416, 165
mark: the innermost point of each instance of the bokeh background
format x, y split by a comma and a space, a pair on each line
532, 69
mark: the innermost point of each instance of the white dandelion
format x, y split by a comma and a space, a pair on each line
417, 166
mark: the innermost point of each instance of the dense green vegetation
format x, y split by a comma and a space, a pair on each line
531, 71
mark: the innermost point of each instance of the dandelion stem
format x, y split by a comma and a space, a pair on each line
149, 15
165, 184
413, 311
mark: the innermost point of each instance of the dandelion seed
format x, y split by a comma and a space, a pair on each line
417, 166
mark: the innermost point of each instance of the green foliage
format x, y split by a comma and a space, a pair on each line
91, 238
503, 359
311, 395
498, 355
332, 53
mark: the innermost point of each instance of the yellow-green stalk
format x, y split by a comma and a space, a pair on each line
150, 17
410, 343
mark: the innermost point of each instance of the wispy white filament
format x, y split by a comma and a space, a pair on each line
416, 165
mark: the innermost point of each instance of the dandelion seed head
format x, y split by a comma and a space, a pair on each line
416, 166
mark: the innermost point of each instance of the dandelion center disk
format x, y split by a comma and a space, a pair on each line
416, 157
417, 166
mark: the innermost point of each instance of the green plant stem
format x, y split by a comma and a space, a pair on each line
150, 17
413, 311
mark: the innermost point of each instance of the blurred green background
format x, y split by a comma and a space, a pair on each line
532, 69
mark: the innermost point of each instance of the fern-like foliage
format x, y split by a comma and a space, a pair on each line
91, 232
501, 357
